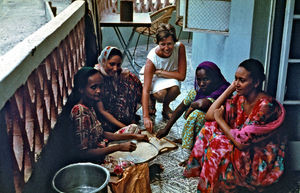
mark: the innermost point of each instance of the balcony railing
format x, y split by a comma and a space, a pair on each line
150, 5
111, 6
35, 80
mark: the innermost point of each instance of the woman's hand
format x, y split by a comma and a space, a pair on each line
218, 113
219, 102
196, 104
148, 124
201, 104
158, 72
141, 137
188, 112
128, 146
162, 133
232, 87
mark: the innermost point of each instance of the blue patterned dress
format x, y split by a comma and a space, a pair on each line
194, 122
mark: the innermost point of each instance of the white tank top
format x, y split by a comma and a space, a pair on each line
168, 64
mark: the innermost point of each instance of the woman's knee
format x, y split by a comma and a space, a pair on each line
173, 92
160, 95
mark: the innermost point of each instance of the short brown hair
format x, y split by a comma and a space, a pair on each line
164, 31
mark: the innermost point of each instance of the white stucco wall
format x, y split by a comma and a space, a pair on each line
227, 51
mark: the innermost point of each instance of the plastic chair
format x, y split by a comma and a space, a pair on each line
160, 16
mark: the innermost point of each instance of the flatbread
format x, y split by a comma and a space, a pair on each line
143, 153
163, 144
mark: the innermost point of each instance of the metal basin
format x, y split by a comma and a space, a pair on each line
81, 178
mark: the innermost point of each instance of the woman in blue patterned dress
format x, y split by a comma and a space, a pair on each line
209, 85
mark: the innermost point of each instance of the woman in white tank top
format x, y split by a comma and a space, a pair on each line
164, 69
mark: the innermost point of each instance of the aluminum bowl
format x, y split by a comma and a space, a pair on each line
81, 178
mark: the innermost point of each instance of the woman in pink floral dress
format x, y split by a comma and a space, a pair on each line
243, 145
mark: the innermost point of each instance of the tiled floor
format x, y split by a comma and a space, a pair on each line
171, 179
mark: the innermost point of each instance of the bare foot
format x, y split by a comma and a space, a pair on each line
183, 164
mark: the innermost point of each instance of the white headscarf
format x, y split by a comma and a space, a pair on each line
102, 62
103, 58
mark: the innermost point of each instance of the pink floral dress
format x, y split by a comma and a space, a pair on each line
222, 167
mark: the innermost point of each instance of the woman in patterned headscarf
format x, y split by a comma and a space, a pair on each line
208, 86
121, 92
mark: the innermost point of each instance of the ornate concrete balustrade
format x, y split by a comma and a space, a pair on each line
150, 5
36, 78
108, 6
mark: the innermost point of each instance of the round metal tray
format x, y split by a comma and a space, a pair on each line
143, 153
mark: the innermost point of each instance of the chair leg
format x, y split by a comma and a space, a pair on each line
148, 39
148, 42
190, 33
137, 41
179, 32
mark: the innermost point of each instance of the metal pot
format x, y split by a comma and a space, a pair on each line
81, 178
